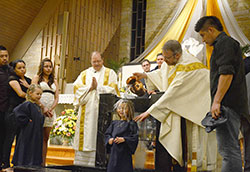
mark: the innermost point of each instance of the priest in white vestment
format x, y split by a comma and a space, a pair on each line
185, 81
88, 86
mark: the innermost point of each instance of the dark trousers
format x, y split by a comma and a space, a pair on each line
245, 129
163, 160
2, 136
11, 131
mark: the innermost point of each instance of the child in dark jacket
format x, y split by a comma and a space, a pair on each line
121, 138
29, 117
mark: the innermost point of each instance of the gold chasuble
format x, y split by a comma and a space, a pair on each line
88, 103
187, 95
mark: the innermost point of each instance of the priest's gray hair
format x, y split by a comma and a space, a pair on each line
95, 53
172, 45
31, 89
129, 105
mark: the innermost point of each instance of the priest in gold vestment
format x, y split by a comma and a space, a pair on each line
185, 81
88, 86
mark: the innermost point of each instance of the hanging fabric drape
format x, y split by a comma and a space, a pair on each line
182, 25
177, 30
163, 33
213, 10
231, 23
198, 13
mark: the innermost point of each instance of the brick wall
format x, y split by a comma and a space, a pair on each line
241, 11
125, 29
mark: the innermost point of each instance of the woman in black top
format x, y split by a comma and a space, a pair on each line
18, 85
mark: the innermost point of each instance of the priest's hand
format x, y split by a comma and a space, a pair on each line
140, 75
111, 140
93, 84
142, 117
119, 140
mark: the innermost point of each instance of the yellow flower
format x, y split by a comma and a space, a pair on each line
65, 125
65, 120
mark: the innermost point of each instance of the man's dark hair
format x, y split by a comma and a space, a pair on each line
2, 47
159, 54
145, 60
207, 21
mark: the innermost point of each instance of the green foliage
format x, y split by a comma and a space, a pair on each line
245, 49
116, 65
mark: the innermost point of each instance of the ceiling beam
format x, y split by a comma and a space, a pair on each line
35, 28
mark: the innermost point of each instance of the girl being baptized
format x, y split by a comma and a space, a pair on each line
121, 138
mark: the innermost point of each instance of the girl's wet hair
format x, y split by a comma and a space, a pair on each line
31, 89
130, 106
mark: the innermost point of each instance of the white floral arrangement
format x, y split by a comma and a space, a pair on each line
65, 125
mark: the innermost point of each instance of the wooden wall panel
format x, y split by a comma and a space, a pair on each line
52, 36
93, 26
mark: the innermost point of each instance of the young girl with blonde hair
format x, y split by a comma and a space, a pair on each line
29, 117
121, 138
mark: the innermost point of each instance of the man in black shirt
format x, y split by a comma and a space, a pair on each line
228, 88
4, 74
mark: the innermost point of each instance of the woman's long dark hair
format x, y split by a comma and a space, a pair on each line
40, 72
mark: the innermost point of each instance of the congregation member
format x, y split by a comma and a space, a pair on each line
145, 64
18, 85
46, 79
186, 96
228, 88
159, 61
88, 86
4, 75
29, 117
